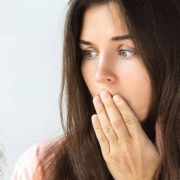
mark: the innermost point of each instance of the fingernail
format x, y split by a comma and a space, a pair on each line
104, 95
96, 100
94, 118
116, 98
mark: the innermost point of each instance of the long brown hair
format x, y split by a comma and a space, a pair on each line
155, 27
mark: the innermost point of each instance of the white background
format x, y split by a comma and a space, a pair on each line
31, 33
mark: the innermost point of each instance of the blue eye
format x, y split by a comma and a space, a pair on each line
89, 53
126, 53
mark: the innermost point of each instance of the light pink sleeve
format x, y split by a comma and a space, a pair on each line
26, 164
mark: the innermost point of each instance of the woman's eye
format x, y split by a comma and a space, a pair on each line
89, 54
126, 53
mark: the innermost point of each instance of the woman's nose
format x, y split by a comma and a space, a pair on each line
105, 71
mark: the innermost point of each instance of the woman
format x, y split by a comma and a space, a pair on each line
125, 55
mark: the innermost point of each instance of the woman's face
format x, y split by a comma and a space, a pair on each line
110, 61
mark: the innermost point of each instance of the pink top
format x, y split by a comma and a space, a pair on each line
26, 164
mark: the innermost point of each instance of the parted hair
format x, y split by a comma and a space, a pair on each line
155, 28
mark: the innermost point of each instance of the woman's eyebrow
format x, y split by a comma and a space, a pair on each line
116, 38
123, 37
85, 42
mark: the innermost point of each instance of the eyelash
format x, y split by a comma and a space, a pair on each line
132, 52
85, 53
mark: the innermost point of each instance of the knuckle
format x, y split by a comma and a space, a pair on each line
102, 139
128, 119
117, 123
97, 128
107, 129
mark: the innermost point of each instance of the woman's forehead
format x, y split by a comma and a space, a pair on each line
103, 18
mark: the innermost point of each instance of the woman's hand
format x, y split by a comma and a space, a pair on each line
127, 151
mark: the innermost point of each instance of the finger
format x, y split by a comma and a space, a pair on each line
103, 141
132, 123
104, 120
114, 116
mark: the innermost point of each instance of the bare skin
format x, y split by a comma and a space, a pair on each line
120, 85
128, 152
110, 60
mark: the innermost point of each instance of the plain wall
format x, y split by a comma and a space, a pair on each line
31, 34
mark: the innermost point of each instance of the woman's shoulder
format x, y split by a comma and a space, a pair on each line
27, 163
